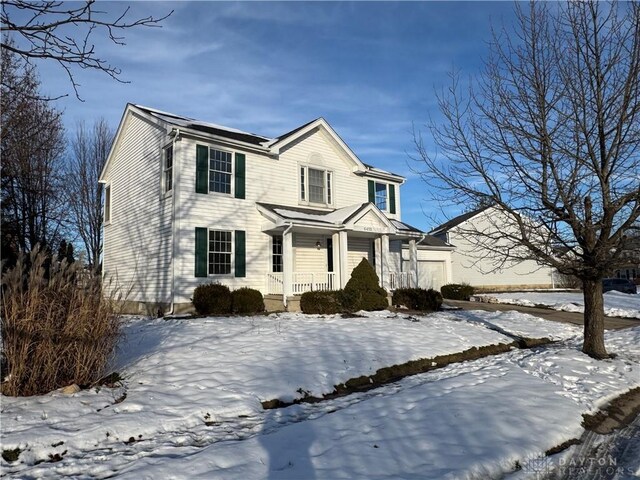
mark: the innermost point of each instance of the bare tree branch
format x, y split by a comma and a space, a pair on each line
550, 135
51, 30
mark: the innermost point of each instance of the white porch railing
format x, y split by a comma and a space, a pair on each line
302, 282
274, 284
305, 282
399, 280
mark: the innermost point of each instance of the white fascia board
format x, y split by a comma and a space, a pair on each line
390, 177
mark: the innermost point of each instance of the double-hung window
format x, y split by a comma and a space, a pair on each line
381, 196
168, 169
277, 254
316, 185
220, 252
219, 171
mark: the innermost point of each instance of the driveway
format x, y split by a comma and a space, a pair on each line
610, 323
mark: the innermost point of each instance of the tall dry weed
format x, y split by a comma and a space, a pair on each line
57, 328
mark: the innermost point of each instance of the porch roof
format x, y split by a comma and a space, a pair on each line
342, 218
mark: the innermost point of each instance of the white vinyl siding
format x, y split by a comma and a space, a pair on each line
468, 267
357, 249
137, 244
307, 256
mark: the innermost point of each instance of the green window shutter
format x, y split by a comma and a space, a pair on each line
202, 169
201, 252
392, 199
241, 254
240, 175
372, 191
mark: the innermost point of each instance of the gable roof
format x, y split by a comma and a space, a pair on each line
445, 227
250, 140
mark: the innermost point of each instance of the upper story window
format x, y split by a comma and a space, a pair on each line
220, 171
316, 185
107, 204
168, 169
220, 166
381, 196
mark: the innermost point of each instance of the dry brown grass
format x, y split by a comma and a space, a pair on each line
56, 331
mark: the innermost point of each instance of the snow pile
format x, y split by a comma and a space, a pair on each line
616, 304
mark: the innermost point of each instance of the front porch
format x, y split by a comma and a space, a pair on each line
315, 281
318, 249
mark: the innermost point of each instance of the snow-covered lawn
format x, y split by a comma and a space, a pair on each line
193, 391
616, 304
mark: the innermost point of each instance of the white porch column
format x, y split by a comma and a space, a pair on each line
413, 263
342, 265
287, 265
377, 250
384, 263
335, 241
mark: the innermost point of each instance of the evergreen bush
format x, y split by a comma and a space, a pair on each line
322, 302
212, 298
247, 301
417, 299
364, 288
457, 291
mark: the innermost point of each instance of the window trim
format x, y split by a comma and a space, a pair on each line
165, 149
304, 193
231, 253
108, 205
232, 173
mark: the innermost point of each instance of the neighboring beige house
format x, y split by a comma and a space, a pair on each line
189, 202
475, 265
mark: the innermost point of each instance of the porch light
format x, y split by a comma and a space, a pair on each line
318, 245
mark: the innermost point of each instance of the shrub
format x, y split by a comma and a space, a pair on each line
417, 299
55, 332
323, 302
247, 300
456, 291
363, 288
212, 298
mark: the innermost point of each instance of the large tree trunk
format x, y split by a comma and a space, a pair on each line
593, 319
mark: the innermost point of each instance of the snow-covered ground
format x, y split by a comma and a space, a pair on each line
193, 391
616, 304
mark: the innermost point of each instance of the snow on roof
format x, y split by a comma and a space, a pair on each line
335, 217
208, 127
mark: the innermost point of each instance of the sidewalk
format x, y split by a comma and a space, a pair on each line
610, 323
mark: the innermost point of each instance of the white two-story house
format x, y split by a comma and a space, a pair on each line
190, 202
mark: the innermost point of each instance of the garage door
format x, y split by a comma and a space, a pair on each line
431, 274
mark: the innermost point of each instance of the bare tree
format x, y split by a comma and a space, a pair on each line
550, 134
89, 151
32, 150
63, 32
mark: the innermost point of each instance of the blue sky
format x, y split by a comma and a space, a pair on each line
370, 69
